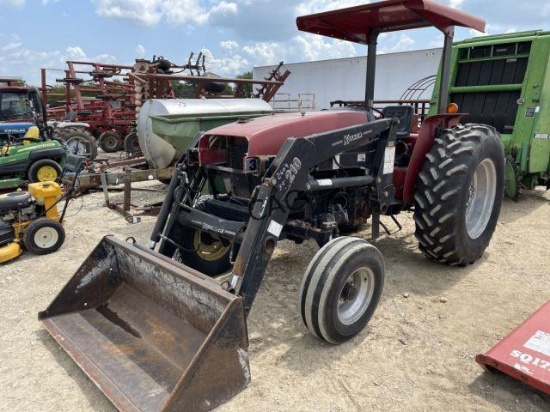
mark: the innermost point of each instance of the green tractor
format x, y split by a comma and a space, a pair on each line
504, 81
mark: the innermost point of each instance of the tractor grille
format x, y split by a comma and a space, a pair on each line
237, 149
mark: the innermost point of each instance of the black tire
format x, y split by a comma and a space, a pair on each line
80, 142
459, 194
203, 252
44, 170
109, 142
341, 289
131, 144
200, 250
43, 236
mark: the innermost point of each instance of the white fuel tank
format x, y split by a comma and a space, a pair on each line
160, 153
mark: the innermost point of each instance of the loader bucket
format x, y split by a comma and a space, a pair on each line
152, 334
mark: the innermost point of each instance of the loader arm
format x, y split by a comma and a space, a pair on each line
290, 174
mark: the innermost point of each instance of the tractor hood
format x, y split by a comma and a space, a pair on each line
265, 135
15, 129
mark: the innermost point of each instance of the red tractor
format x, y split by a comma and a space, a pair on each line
244, 186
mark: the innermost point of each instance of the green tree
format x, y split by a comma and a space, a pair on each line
55, 96
184, 90
245, 89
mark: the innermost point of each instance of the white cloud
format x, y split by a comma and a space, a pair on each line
9, 42
13, 3
313, 47
208, 57
395, 42
75, 53
105, 58
225, 9
238, 60
184, 12
230, 66
265, 52
142, 12
26, 62
140, 51
229, 45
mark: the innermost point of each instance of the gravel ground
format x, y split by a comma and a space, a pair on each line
417, 353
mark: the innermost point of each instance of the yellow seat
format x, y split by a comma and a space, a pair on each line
32, 134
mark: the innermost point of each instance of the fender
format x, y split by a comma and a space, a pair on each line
53, 153
63, 125
429, 130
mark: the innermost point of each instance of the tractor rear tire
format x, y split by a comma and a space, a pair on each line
44, 170
459, 194
341, 289
43, 236
200, 250
80, 142
203, 252
110, 142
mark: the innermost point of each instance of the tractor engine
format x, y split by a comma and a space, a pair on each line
15, 207
21, 206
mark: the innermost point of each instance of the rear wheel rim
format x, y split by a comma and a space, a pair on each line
356, 295
77, 147
481, 199
46, 237
111, 142
208, 248
46, 173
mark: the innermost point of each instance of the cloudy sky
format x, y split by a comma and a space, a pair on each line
236, 35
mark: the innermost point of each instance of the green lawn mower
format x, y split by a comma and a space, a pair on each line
28, 156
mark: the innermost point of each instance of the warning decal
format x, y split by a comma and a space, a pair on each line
539, 342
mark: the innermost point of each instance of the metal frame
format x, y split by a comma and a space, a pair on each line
108, 96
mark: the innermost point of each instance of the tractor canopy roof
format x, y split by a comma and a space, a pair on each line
356, 24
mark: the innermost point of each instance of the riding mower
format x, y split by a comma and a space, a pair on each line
26, 155
31, 219
163, 326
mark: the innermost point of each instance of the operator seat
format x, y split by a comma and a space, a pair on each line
32, 135
404, 114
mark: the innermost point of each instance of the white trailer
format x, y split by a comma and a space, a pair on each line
315, 84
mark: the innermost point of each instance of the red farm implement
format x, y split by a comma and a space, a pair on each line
108, 97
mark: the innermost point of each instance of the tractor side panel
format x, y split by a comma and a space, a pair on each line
539, 154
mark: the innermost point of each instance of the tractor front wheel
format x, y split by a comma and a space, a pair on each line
341, 289
43, 236
44, 170
459, 194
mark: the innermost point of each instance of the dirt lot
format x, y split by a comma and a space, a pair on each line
417, 353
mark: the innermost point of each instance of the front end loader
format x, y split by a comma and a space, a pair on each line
163, 327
